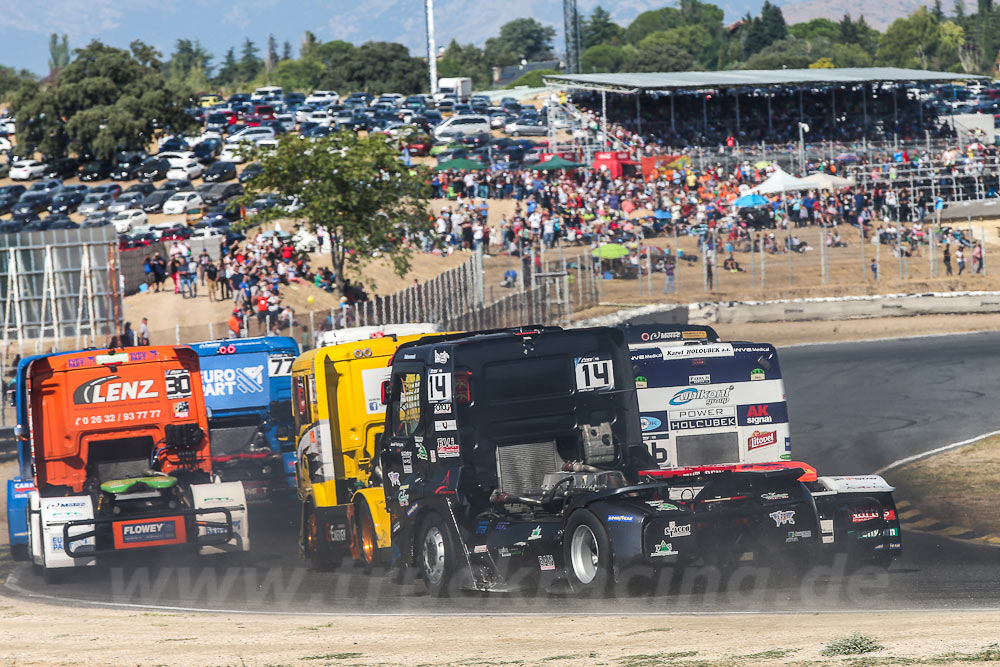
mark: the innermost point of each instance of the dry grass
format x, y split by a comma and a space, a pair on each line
960, 487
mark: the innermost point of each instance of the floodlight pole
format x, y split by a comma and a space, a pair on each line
803, 128
431, 45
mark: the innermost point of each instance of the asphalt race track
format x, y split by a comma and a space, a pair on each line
854, 408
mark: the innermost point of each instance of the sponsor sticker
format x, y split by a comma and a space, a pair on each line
594, 374
794, 535
771, 495
694, 335
480, 549
446, 425
546, 562
664, 548
649, 423
757, 374
620, 517
641, 382
149, 532
438, 387
782, 517
403, 497
536, 533
760, 439
407, 462
700, 379
442, 408
673, 530
870, 534
394, 478
181, 410
709, 396
662, 505
447, 447
681, 420
441, 356
647, 336
421, 450
859, 516
109, 390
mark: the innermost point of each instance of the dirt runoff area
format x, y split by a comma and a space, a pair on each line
959, 488
37, 634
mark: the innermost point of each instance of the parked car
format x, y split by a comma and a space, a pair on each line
32, 202
180, 202
63, 167
253, 134
47, 186
25, 170
94, 202
124, 221
153, 203
178, 185
462, 125
220, 171
128, 170
112, 189
526, 127
66, 202
205, 151
153, 169
188, 170
220, 192
99, 219
251, 170
177, 158
127, 201
95, 170
145, 188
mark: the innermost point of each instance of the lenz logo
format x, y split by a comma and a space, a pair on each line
149, 532
106, 390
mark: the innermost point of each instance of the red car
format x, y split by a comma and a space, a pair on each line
264, 111
420, 147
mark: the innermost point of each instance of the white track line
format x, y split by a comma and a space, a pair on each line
917, 457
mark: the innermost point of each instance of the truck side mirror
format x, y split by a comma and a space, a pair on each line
386, 391
20, 432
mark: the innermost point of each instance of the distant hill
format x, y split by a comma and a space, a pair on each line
877, 14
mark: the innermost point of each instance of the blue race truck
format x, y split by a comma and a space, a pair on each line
23, 482
248, 392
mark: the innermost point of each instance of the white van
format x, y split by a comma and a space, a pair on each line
462, 125
267, 92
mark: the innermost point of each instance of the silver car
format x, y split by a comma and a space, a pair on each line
128, 200
523, 127
94, 203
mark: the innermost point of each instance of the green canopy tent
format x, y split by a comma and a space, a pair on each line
460, 164
556, 162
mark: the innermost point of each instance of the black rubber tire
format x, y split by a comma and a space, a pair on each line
19, 552
372, 557
437, 556
587, 555
54, 575
318, 551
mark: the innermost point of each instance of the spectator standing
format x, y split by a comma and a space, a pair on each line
977, 257
960, 259
947, 259
210, 273
668, 271
143, 332
128, 336
874, 270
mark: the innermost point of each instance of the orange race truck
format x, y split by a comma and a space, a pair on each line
119, 452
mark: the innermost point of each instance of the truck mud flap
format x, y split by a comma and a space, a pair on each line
153, 530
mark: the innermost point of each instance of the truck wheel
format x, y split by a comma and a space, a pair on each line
371, 555
54, 575
317, 547
436, 555
19, 552
587, 555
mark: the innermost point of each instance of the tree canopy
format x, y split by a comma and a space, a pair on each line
355, 188
105, 100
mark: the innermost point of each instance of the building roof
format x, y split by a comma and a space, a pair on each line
980, 209
752, 78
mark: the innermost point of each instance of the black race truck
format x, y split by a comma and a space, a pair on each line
515, 459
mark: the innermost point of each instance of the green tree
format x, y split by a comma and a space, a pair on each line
658, 53
795, 53
309, 42
696, 41
765, 29
11, 80
913, 41
532, 79
521, 38
106, 99
858, 32
648, 22
850, 55
602, 58
600, 29
189, 61
250, 64
286, 50
58, 52
465, 60
356, 189
229, 71
301, 74
271, 59
816, 28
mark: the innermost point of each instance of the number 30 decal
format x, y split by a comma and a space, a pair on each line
593, 374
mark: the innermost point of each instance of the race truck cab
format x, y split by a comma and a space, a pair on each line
339, 415
706, 404
248, 392
513, 459
115, 446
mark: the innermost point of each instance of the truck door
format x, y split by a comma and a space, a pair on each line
406, 425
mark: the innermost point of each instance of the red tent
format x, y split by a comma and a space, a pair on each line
615, 161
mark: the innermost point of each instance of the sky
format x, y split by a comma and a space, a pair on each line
25, 25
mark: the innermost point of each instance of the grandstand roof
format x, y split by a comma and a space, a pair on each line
751, 78
980, 209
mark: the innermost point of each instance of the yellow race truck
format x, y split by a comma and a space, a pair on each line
339, 415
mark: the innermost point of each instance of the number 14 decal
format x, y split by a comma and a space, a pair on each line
593, 373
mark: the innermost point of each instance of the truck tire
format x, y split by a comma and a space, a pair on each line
587, 555
437, 555
372, 557
317, 548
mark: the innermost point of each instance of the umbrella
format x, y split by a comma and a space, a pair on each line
761, 164
653, 251
556, 162
847, 157
823, 181
662, 215
751, 201
610, 251
641, 213
460, 164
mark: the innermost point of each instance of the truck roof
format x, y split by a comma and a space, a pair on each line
242, 345
369, 347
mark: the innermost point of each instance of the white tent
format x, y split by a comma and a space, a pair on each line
821, 181
782, 181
